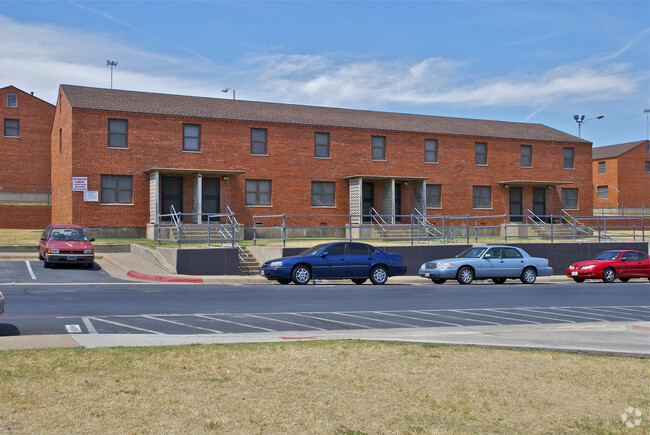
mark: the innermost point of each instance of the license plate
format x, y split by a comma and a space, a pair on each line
574, 273
427, 274
262, 272
72, 258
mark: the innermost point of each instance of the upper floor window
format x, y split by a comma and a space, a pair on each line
12, 127
603, 192
379, 147
321, 144
117, 189
526, 156
191, 137
601, 168
322, 193
258, 192
568, 158
12, 100
570, 198
118, 136
480, 153
433, 195
647, 166
431, 150
258, 141
482, 197
647, 148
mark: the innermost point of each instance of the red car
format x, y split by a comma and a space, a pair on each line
66, 244
609, 265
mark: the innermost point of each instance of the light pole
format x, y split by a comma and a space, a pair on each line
111, 64
229, 89
647, 131
581, 120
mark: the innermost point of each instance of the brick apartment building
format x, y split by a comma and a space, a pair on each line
621, 175
25, 162
138, 153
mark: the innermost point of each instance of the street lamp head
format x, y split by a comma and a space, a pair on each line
600, 117
225, 91
582, 118
576, 117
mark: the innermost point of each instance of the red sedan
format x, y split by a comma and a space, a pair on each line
609, 265
66, 244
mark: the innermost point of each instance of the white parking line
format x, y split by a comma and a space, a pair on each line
372, 319
311, 316
234, 323
607, 315
287, 322
183, 324
123, 325
89, 326
29, 269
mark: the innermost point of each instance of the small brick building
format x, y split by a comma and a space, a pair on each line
25, 159
621, 176
141, 153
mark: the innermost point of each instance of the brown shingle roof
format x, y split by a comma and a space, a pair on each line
220, 108
609, 151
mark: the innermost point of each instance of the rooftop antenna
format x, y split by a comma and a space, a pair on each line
111, 63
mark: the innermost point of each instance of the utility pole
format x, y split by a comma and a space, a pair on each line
111, 63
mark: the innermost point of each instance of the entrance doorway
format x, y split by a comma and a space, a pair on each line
516, 210
367, 200
539, 201
210, 197
171, 194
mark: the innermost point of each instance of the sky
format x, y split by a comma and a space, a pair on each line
523, 61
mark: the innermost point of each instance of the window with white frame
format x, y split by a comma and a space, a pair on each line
322, 193
12, 128
12, 100
258, 192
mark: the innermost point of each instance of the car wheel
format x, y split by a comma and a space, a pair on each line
284, 281
465, 275
498, 280
438, 280
46, 264
624, 279
609, 275
359, 281
529, 275
301, 275
378, 275
579, 279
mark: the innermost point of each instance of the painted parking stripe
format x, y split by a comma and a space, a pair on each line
29, 269
609, 315
446, 316
89, 326
124, 325
555, 315
473, 313
183, 324
580, 314
311, 316
285, 321
379, 320
204, 316
431, 313
623, 310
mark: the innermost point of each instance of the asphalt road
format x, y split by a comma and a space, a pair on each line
76, 300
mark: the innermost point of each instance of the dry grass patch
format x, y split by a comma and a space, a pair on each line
328, 387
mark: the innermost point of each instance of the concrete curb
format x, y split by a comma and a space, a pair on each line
142, 276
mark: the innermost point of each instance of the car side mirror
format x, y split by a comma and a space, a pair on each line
487, 256
324, 254
91, 240
44, 238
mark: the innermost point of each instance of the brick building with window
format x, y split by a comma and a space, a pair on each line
621, 175
25, 159
142, 153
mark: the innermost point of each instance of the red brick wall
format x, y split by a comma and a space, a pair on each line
156, 142
61, 156
24, 216
629, 184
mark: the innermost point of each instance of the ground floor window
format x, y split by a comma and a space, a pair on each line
258, 192
117, 189
482, 197
570, 198
322, 193
433, 195
603, 192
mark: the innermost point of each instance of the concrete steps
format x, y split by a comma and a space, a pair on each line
249, 266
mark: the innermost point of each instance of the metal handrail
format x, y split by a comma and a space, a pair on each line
537, 220
377, 219
429, 228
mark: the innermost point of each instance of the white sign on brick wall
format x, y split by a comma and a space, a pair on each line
91, 195
79, 184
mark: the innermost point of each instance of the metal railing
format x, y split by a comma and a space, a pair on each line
30, 195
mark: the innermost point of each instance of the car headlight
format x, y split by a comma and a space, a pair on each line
53, 251
88, 251
591, 266
445, 266
275, 264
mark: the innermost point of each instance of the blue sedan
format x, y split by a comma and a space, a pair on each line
497, 263
341, 260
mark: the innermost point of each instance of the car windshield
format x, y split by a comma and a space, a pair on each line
608, 256
472, 253
68, 235
316, 250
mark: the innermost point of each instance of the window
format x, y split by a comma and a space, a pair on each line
118, 136
647, 167
647, 148
359, 249
12, 100
258, 141
603, 192
191, 137
433, 195
379, 148
601, 168
12, 127
482, 196
322, 193
321, 144
336, 249
117, 189
510, 253
481, 153
568, 158
570, 199
526, 156
431, 151
258, 192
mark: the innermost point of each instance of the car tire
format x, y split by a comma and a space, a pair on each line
359, 281
46, 264
579, 279
378, 275
624, 279
465, 275
528, 275
284, 281
301, 275
438, 280
609, 275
